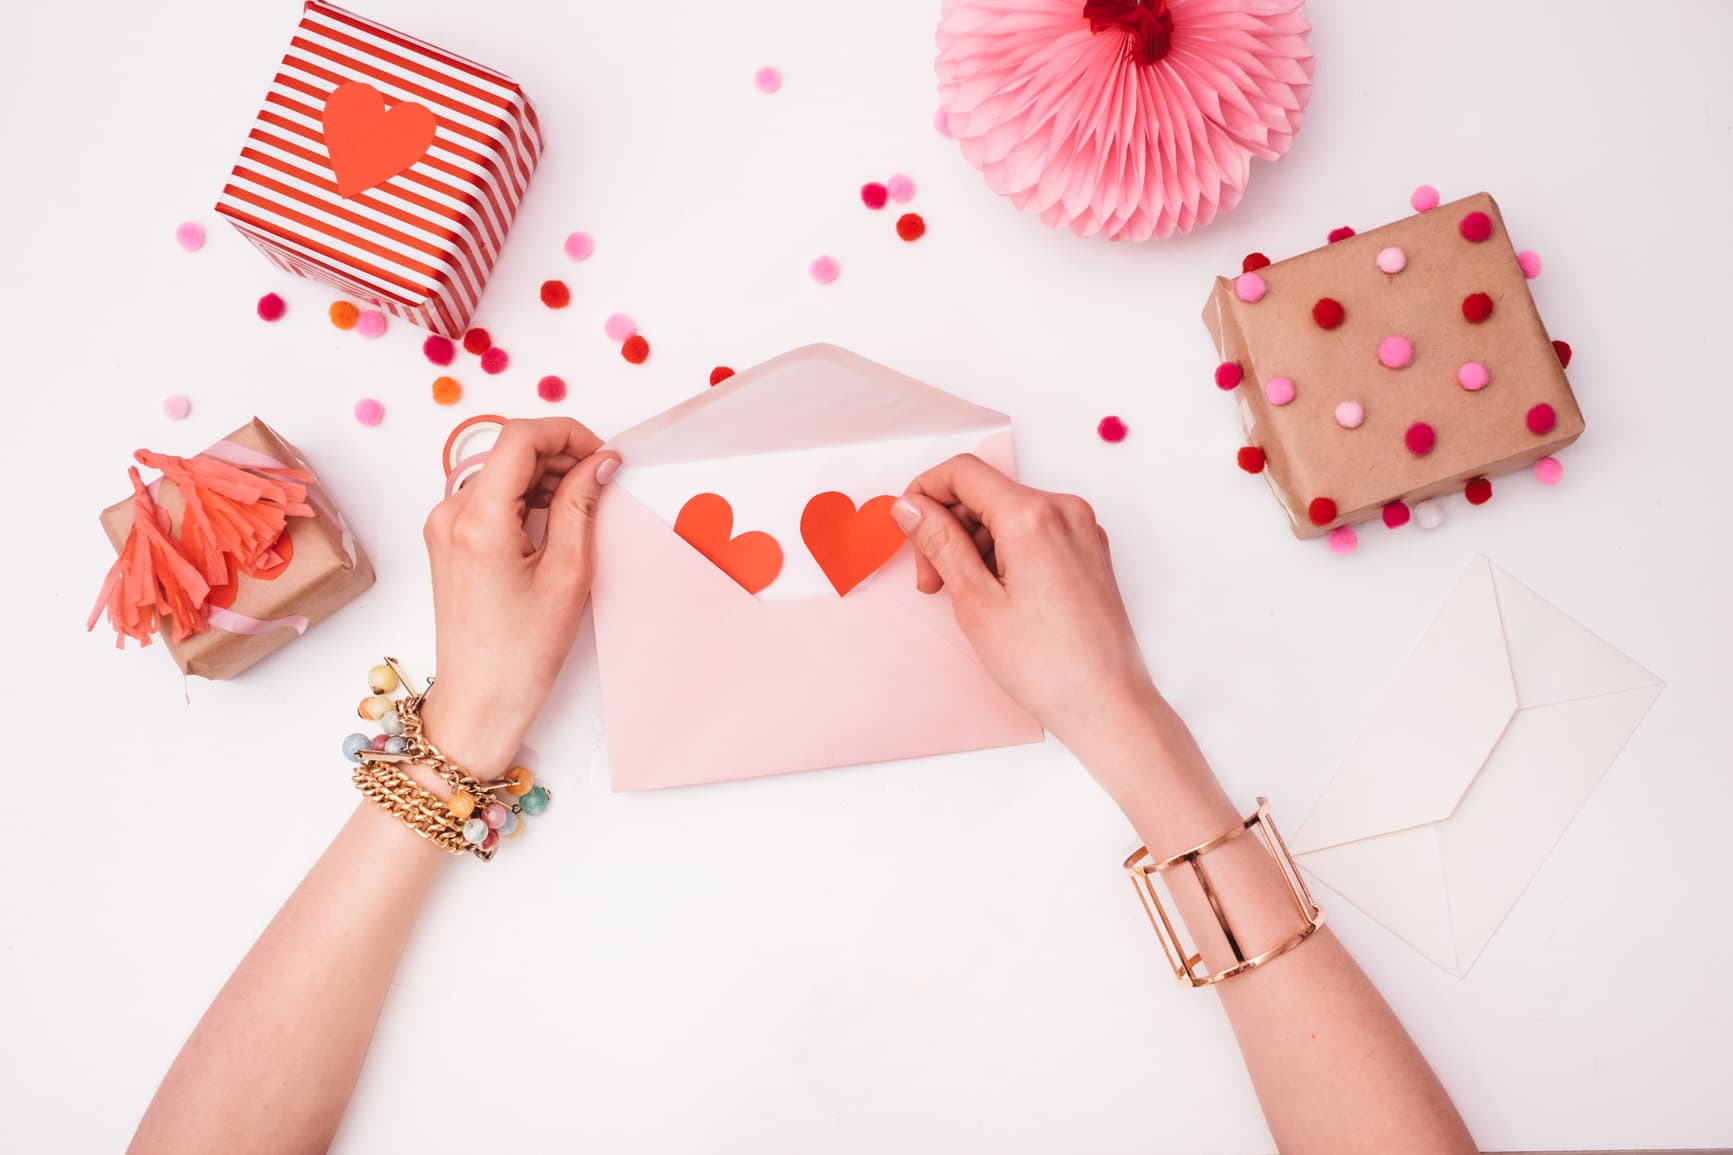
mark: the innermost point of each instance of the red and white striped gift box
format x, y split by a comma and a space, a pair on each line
421, 242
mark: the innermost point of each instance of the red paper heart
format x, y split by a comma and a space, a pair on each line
849, 544
367, 144
752, 559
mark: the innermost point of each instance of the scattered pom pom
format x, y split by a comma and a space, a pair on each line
1563, 350
720, 374
343, 314
555, 294
901, 188
1251, 459
635, 349
369, 412
1229, 374
1478, 491
494, 360
370, 324
1395, 352
579, 246
1392, 260
1420, 439
874, 195
175, 407
1253, 262
1340, 234
1279, 390
551, 388
271, 307
1396, 515
1541, 419
439, 350
911, 227
1321, 511
618, 326
1328, 313
767, 80
1429, 515
1472, 376
1548, 471
823, 270
1477, 307
1350, 414
1425, 199
1249, 287
1111, 429
1343, 539
1529, 262
477, 341
190, 236
446, 391
1476, 227
942, 122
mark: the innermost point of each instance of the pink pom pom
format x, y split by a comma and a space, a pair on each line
494, 360
371, 323
176, 407
1425, 199
1392, 259
1249, 287
1229, 374
271, 307
824, 270
1395, 352
1476, 227
1350, 414
190, 236
901, 188
439, 350
767, 79
1529, 262
1343, 539
1472, 376
1279, 390
369, 412
551, 388
1111, 429
1548, 471
579, 246
618, 327
874, 195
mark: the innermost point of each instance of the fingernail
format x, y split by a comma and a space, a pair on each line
906, 514
606, 470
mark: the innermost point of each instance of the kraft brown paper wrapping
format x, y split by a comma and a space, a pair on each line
319, 579
1480, 434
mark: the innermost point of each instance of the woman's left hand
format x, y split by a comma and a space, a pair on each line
505, 610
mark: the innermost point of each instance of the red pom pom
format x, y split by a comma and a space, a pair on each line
720, 374
555, 295
1340, 234
1478, 491
1328, 312
1563, 349
635, 349
495, 360
911, 227
1254, 262
438, 349
1420, 438
1229, 374
1322, 511
1541, 419
551, 388
477, 341
1475, 227
271, 307
874, 195
1111, 429
1477, 307
1396, 515
1251, 459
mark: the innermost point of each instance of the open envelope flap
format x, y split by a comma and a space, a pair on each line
807, 398
1430, 737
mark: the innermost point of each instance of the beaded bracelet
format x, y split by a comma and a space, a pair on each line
475, 816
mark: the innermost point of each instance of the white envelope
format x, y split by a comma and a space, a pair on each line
1492, 738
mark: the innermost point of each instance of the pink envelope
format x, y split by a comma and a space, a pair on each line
704, 682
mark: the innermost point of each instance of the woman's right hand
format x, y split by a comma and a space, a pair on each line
1032, 583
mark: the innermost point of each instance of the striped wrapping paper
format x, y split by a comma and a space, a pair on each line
422, 243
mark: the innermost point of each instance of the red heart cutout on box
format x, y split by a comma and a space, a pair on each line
367, 144
849, 544
752, 559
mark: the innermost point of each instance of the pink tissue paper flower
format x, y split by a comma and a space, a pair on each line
1130, 118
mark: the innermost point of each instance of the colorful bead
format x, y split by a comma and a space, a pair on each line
461, 804
374, 708
491, 841
379, 741
510, 826
382, 679
535, 800
494, 815
396, 745
354, 744
475, 831
391, 723
518, 781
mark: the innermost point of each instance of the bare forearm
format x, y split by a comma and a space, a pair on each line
271, 1066
1333, 1068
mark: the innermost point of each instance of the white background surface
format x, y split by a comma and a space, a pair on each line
937, 956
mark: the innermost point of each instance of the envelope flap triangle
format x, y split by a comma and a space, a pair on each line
807, 398
1552, 657
1397, 879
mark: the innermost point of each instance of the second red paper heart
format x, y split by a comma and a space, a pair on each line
849, 544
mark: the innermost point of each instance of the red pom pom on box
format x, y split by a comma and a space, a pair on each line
1229, 374
1254, 262
1541, 419
1251, 459
555, 294
1420, 438
1328, 313
720, 374
1477, 307
1478, 491
1340, 234
1396, 515
1476, 226
635, 349
1563, 349
1321, 511
477, 341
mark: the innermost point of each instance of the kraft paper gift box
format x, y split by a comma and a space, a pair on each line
1309, 456
326, 569
384, 166
703, 681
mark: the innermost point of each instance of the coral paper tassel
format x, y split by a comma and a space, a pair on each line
151, 578
231, 513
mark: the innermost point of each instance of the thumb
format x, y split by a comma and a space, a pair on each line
572, 513
947, 551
